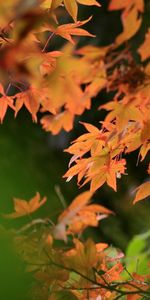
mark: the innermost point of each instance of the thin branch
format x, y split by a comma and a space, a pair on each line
110, 287
47, 42
60, 196
29, 225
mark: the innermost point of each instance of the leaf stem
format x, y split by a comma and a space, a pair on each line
47, 42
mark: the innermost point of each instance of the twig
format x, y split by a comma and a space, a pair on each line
60, 196
48, 40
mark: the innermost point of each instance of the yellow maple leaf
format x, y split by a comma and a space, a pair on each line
72, 7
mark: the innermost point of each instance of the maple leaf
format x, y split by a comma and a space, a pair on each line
83, 257
108, 172
137, 282
98, 82
79, 169
63, 120
51, 4
144, 150
92, 141
5, 102
65, 79
24, 208
78, 216
49, 62
143, 191
72, 7
126, 4
144, 48
31, 99
128, 19
64, 219
103, 166
123, 111
114, 273
90, 215
66, 30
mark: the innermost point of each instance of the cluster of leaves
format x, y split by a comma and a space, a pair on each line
82, 269
62, 84
41, 78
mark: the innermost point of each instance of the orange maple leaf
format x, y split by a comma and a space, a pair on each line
128, 19
66, 30
92, 141
144, 48
24, 208
49, 62
123, 111
78, 216
108, 172
126, 4
114, 273
31, 99
143, 191
5, 101
55, 123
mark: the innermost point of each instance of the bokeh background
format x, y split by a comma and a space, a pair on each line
32, 160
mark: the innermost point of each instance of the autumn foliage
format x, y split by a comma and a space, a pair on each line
55, 87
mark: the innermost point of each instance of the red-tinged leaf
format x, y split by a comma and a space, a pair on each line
23, 207
144, 48
2, 92
101, 246
114, 273
143, 191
